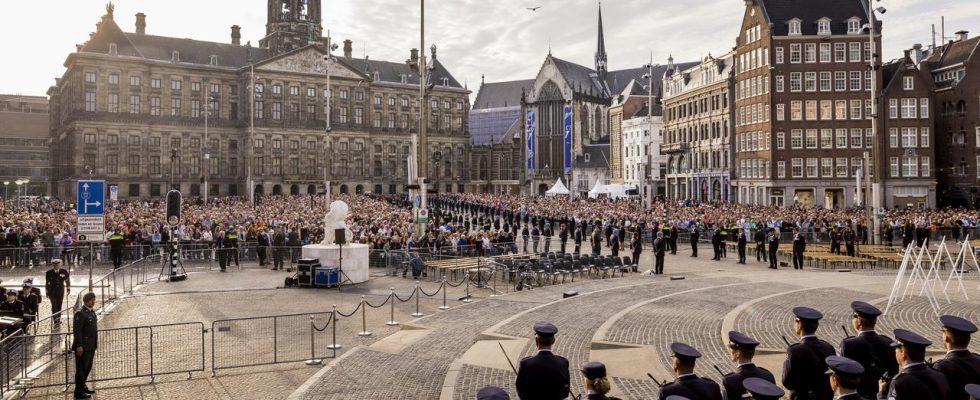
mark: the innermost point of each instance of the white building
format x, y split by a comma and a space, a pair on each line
643, 165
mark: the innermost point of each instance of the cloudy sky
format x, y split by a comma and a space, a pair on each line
499, 38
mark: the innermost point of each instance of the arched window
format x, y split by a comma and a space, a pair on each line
597, 121
584, 121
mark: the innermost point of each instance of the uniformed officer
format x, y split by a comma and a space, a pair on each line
695, 236
492, 393
760, 244
716, 244
596, 240
915, 380
563, 236
116, 243
799, 247
578, 239
761, 389
231, 236
263, 243
803, 370
659, 249
14, 308
973, 390
56, 285
960, 366
742, 243
31, 302
85, 339
596, 384
544, 375
773, 247
636, 244
845, 377
868, 348
688, 384
743, 349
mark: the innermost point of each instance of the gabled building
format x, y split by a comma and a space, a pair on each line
955, 71
145, 112
496, 148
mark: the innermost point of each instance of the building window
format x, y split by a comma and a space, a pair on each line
780, 140
175, 56
343, 118
810, 82
925, 172
823, 27
797, 168
113, 102
910, 167
826, 138
175, 85
113, 49
154, 167
856, 106
259, 109
856, 81
276, 89
924, 108
893, 167
795, 82
827, 167
779, 83
826, 110
134, 80
781, 169
824, 52
90, 101
794, 27
796, 139
155, 106
811, 110
840, 81
910, 138
276, 110
344, 94
924, 137
893, 138
90, 77
908, 83
779, 55
195, 108
780, 112
855, 51
841, 109
155, 83
796, 110
857, 135
195, 87
213, 60
794, 53
841, 167
811, 138
854, 26
134, 104
112, 164
893, 108
909, 109
810, 53
294, 90
825, 82
841, 138
811, 168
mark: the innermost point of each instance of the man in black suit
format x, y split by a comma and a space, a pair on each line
773, 247
743, 349
688, 384
263, 244
803, 370
85, 339
760, 244
845, 377
278, 249
543, 376
659, 249
742, 243
960, 366
695, 236
799, 247
916, 380
868, 348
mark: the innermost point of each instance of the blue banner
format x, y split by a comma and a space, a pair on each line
568, 140
530, 142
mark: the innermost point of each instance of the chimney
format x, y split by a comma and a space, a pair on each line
140, 24
348, 48
433, 49
415, 57
236, 35
917, 54
962, 36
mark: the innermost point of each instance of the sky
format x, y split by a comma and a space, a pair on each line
500, 39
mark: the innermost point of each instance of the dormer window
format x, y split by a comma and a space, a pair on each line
854, 26
377, 76
175, 56
823, 26
445, 81
213, 60
404, 78
113, 50
794, 27
588, 157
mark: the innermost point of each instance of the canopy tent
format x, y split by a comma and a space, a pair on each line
597, 190
558, 189
611, 191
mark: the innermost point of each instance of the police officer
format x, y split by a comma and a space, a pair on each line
85, 339
915, 380
742, 242
263, 243
543, 376
535, 237
56, 285
231, 237
492, 393
688, 384
636, 245
659, 249
760, 244
835, 238
595, 381
960, 365
563, 236
578, 239
31, 302
849, 242
845, 377
868, 348
716, 244
222, 256
548, 233
799, 246
761, 389
803, 370
773, 247
14, 308
596, 240
695, 236
116, 243
743, 349
525, 233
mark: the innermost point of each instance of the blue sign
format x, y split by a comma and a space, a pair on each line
530, 142
568, 140
91, 198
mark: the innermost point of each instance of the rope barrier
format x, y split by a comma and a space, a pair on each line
352, 312
458, 284
433, 293
406, 299
313, 324
387, 299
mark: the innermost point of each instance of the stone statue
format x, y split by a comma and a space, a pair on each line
335, 219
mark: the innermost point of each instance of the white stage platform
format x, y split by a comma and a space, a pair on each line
355, 259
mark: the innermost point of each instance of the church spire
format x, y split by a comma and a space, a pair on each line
601, 59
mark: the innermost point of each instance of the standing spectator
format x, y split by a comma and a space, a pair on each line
799, 246
116, 244
85, 339
278, 248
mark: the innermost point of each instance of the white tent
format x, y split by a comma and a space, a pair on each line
597, 190
558, 189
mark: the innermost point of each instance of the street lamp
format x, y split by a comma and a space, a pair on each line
873, 184
256, 94
17, 193
209, 98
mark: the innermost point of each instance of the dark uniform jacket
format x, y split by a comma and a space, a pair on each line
874, 353
692, 387
917, 382
733, 381
543, 377
853, 396
803, 370
960, 368
85, 330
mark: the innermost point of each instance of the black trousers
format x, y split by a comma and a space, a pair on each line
83, 366
772, 258
797, 260
277, 257
57, 299
694, 248
116, 259
222, 258
658, 267
760, 252
635, 260
262, 255
741, 253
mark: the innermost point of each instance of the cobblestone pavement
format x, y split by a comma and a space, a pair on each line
432, 357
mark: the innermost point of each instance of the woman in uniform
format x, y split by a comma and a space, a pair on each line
596, 383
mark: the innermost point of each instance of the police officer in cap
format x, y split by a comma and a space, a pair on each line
543, 376
596, 383
56, 285
916, 380
868, 348
687, 383
804, 366
761, 389
743, 349
845, 377
973, 390
492, 393
960, 365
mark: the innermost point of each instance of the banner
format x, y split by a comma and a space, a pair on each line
530, 142
568, 140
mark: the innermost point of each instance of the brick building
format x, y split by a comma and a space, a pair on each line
24, 144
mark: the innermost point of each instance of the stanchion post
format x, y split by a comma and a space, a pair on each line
313, 360
444, 290
333, 319
418, 294
364, 332
494, 272
391, 297
467, 298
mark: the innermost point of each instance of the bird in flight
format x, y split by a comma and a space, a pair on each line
534, 8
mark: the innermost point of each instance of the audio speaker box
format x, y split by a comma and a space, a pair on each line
173, 207
340, 236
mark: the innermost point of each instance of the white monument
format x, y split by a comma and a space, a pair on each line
354, 264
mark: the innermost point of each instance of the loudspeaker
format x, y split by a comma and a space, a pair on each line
173, 207
340, 236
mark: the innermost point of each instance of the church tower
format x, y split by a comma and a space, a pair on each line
292, 24
601, 61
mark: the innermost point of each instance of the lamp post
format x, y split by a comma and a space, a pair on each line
873, 181
254, 90
210, 97
644, 177
17, 192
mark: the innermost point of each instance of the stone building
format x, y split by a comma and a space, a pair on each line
496, 152
698, 130
639, 129
24, 150
127, 99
